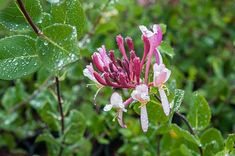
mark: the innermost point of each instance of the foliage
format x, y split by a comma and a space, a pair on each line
198, 46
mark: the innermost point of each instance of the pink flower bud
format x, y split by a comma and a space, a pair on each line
99, 78
130, 43
121, 47
96, 58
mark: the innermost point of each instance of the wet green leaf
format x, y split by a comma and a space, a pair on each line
13, 19
73, 14
199, 115
18, 57
59, 47
212, 141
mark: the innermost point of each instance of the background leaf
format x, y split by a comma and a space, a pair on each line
13, 19
199, 114
18, 57
212, 141
73, 14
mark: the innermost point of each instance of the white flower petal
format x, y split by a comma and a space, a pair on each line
164, 100
108, 107
168, 74
144, 118
116, 99
88, 74
120, 119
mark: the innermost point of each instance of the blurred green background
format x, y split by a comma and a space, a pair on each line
202, 33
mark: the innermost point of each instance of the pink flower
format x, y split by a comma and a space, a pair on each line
154, 36
125, 72
116, 102
141, 94
160, 75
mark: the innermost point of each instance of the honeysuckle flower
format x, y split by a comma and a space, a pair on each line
154, 36
160, 75
125, 73
116, 102
141, 94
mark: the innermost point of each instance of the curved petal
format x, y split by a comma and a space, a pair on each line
164, 100
168, 74
116, 99
120, 119
108, 107
144, 118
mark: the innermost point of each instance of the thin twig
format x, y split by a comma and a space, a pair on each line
57, 82
183, 118
158, 145
28, 18
39, 33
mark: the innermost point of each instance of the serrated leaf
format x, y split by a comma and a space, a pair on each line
13, 19
18, 57
73, 14
212, 141
199, 114
178, 98
167, 49
59, 48
176, 131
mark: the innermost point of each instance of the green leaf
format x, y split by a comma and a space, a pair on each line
178, 98
73, 14
230, 142
184, 149
53, 145
13, 19
167, 49
199, 115
13, 95
18, 57
59, 47
75, 124
179, 132
163, 28
212, 141
4, 4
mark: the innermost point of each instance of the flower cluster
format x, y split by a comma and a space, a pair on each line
127, 73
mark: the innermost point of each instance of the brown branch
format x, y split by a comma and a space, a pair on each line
28, 18
57, 82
